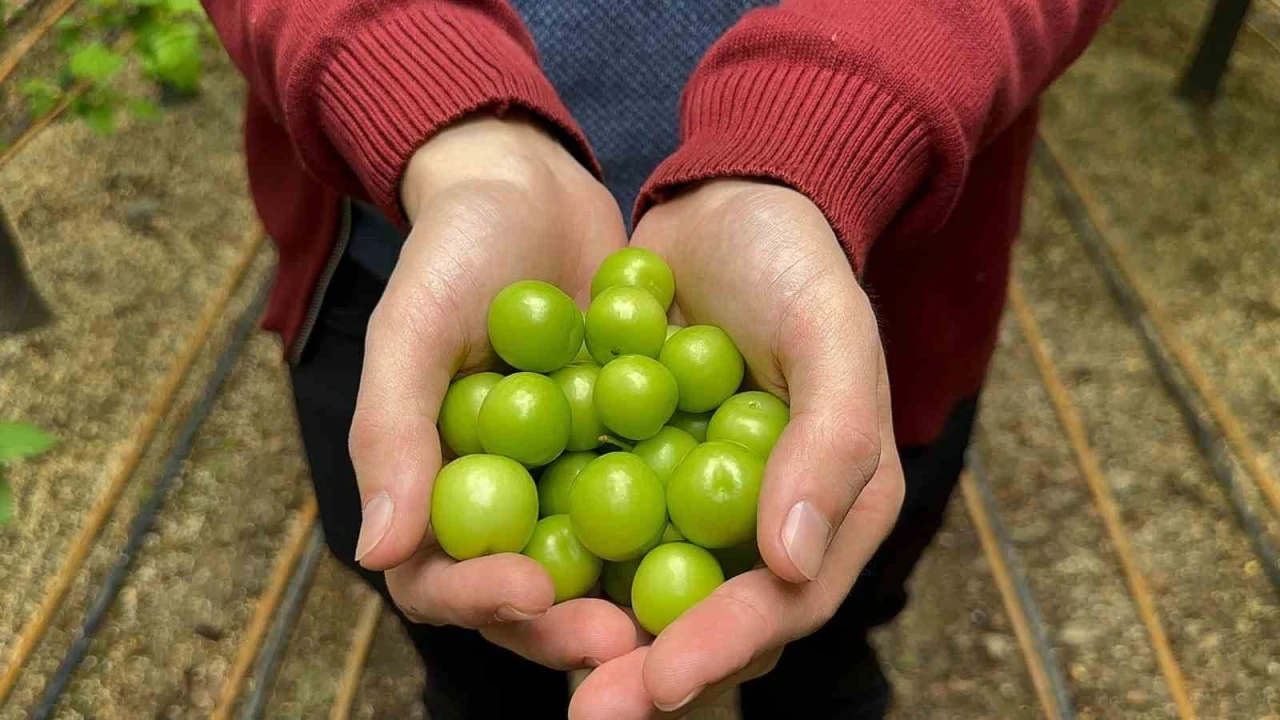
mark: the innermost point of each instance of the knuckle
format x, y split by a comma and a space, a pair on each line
408, 609
863, 451
857, 447
881, 501
429, 305
406, 600
750, 608
420, 309
811, 315
379, 323
370, 425
824, 598
843, 439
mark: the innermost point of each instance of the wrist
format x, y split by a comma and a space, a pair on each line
745, 196
515, 149
748, 213
723, 189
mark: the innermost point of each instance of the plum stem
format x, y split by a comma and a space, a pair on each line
622, 444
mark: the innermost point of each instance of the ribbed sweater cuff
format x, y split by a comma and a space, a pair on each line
848, 145
411, 70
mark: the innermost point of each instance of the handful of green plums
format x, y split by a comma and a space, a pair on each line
649, 457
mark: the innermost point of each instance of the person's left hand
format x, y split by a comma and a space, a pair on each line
761, 262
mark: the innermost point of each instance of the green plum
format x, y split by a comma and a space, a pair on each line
573, 569
635, 396
713, 495
461, 409
584, 355
706, 365
672, 330
482, 505
693, 423
737, 559
671, 534
625, 320
557, 478
525, 417
671, 579
636, 267
617, 507
754, 419
664, 451
616, 578
578, 383
534, 326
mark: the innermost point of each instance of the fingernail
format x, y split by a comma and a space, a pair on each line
676, 706
506, 613
805, 534
375, 523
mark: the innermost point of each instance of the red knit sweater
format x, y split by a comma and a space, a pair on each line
909, 122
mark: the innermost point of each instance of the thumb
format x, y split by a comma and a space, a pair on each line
413, 346
830, 357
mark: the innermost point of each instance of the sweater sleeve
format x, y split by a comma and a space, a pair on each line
359, 85
872, 108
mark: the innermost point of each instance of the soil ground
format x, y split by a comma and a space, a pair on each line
131, 237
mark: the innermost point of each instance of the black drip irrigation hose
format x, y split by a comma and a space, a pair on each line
1207, 439
1046, 656
145, 518
264, 672
1202, 80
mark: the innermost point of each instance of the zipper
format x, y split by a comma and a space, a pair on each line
322, 287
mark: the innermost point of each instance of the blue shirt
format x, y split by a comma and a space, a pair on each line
619, 66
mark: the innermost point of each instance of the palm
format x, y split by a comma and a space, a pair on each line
492, 202
474, 240
750, 281
761, 262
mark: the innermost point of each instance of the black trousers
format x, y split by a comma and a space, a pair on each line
834, 670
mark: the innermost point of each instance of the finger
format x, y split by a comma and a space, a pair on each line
614, 691
575, 634
675, 315
757, 613
412, 349
829, 353
434, 588
759, 667
722, 635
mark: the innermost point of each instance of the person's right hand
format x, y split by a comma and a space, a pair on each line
491, 201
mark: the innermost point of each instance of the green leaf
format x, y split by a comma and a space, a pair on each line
6, 502
171, 54
67, 33
19, 440
143, 109
102, 118
142, 16
184, 7
113, 20
95, 62
41, 94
